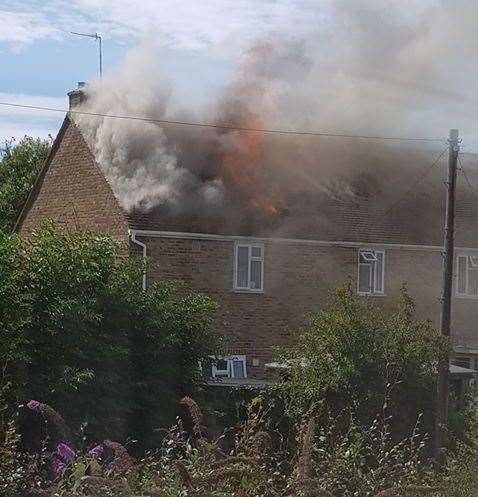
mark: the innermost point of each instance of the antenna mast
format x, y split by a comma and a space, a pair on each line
98, 38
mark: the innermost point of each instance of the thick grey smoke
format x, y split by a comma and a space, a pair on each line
373, 67
139, 161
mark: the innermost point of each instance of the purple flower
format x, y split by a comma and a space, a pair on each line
34, 405
96, 452
57, 467
66, 453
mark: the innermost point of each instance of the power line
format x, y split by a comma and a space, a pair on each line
467, 179
414, 185
225, 126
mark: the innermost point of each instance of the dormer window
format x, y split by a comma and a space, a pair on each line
370, 272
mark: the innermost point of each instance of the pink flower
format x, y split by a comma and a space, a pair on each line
57, 467
34, 405
96, 452
66, 453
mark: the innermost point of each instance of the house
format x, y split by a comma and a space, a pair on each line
268, 281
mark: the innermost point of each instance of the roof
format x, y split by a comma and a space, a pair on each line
334, 190
387, 200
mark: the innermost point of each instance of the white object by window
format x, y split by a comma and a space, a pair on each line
467, 276
371, 272
249, 267
233, 366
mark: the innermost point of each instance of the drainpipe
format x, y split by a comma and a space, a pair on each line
132, 234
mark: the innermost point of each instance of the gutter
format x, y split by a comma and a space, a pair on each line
298, 241
132, 234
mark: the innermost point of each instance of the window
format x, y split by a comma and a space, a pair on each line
229, 367
467, 276
249, 267
371, 272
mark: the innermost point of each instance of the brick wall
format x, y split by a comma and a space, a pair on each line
74, 192
297, 279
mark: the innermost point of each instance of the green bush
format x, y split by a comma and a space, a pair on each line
353, 355
84, 337
19, 166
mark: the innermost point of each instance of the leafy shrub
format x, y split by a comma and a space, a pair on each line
19, 166
355, 355
83, 336
460, 478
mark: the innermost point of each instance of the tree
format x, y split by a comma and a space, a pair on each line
87, 340
356, 356
19, 167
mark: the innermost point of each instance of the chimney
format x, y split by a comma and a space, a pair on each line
78, 96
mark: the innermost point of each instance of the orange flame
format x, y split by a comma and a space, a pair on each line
243, 159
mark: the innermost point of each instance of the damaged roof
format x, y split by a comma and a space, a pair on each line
392, 196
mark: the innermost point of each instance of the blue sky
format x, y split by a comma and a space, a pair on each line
197, 42
376, 66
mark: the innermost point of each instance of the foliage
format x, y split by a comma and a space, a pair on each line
460, 478
363, 462
19, 166
83, 336
355, 355
15, 310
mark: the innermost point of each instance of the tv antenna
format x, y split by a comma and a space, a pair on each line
97, 38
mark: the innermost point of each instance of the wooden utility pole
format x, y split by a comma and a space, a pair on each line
441, 414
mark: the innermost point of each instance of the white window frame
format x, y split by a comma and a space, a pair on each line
229, 373
249, 246
471, 264
372, 259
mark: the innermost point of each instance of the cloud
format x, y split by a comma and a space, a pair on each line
16, 122
22, 28
219, 25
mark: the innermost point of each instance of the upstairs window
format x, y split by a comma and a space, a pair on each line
371, 272
249, 267
233, 366
467, 276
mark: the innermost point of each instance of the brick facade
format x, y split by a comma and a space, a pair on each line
73, 191
297, 280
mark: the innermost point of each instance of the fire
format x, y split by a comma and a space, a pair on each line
242, 157
241, 170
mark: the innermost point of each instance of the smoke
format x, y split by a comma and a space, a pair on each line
373, 67
138, 160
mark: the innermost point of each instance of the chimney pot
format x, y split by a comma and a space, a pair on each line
78, 96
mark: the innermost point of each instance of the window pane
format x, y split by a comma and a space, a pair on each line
367, 256
222, 368
221, 365
242, 267
473, 281
379, 272
461, 274
256, 252
256, 275
238, 368
365, 278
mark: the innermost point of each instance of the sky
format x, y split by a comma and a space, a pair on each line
197, 42
369, 66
